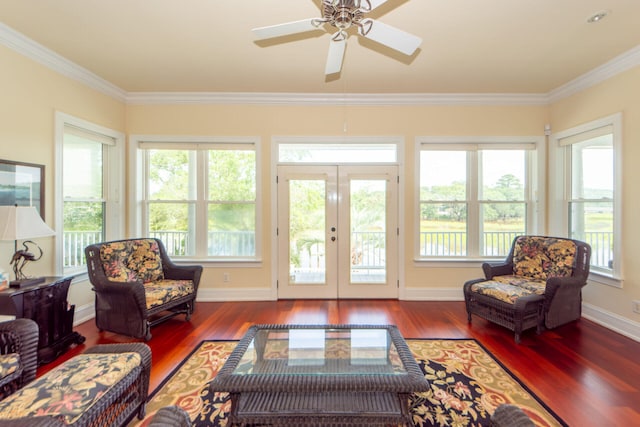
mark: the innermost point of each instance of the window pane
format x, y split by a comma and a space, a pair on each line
171, 175
82, 174
502, 222
174, 224
83, 225
443, 175
337, 153
443, 229
232, 230
232, 175
592, 168
503, 175
592, 222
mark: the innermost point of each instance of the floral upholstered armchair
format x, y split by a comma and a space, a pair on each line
538, 285
137, 286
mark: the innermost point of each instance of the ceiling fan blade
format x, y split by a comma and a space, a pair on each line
393, 37
286, 29
336, 56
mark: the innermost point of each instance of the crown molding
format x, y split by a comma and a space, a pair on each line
621, 63
368, 99
38, 53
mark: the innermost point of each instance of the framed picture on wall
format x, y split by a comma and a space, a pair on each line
22, 184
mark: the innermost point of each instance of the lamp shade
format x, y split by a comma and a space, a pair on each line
22, 222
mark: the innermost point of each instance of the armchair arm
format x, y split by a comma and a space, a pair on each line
563, 300
497, 269
25, 343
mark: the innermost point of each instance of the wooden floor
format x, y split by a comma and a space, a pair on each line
587, 374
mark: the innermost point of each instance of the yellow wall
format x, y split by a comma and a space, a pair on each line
407, 122
30, 95
618, 94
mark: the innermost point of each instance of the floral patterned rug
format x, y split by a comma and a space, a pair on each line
467, 384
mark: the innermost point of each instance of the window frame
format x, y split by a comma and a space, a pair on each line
560, 173
137, 168
112, 179
535, 188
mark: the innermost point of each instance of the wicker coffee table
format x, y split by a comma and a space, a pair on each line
320, 375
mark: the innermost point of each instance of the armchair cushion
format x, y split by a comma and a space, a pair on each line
9, 364
541, 257
162, 291
69, 390
509, 288
132, 261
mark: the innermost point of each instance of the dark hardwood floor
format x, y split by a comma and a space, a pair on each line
587, 374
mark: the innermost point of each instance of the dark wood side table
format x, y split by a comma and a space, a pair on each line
46, 304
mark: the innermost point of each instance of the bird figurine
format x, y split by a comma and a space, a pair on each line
21, 257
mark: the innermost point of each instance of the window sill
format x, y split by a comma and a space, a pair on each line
606, 279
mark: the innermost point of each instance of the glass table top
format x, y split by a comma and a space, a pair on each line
321, 351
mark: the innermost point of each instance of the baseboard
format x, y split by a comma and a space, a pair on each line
615, 322
237, 294
84, 313
432, 294
609, 320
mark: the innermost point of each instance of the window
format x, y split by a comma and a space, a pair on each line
588, 163
89, 186
200, 198
475, 197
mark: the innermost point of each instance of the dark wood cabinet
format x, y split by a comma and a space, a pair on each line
46, 303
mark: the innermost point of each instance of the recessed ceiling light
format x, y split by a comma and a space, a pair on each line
599, 16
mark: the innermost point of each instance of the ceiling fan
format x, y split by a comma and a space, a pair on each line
344, 14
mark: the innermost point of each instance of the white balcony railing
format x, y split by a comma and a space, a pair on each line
370, 245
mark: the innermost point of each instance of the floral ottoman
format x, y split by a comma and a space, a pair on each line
105, 386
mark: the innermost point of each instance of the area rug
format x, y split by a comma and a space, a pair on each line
467, 384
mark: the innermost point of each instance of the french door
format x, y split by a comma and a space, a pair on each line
337, 231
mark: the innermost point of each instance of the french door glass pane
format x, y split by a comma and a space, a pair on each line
368, 231
307, 221
231, 230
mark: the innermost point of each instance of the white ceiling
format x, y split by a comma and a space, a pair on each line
469, 46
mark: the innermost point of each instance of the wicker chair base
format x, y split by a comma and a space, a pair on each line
517, 317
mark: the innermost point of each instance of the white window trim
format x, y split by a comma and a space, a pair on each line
536, 171
137, 188
559, 223
113, 181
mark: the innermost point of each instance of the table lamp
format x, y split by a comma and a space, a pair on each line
20, 223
